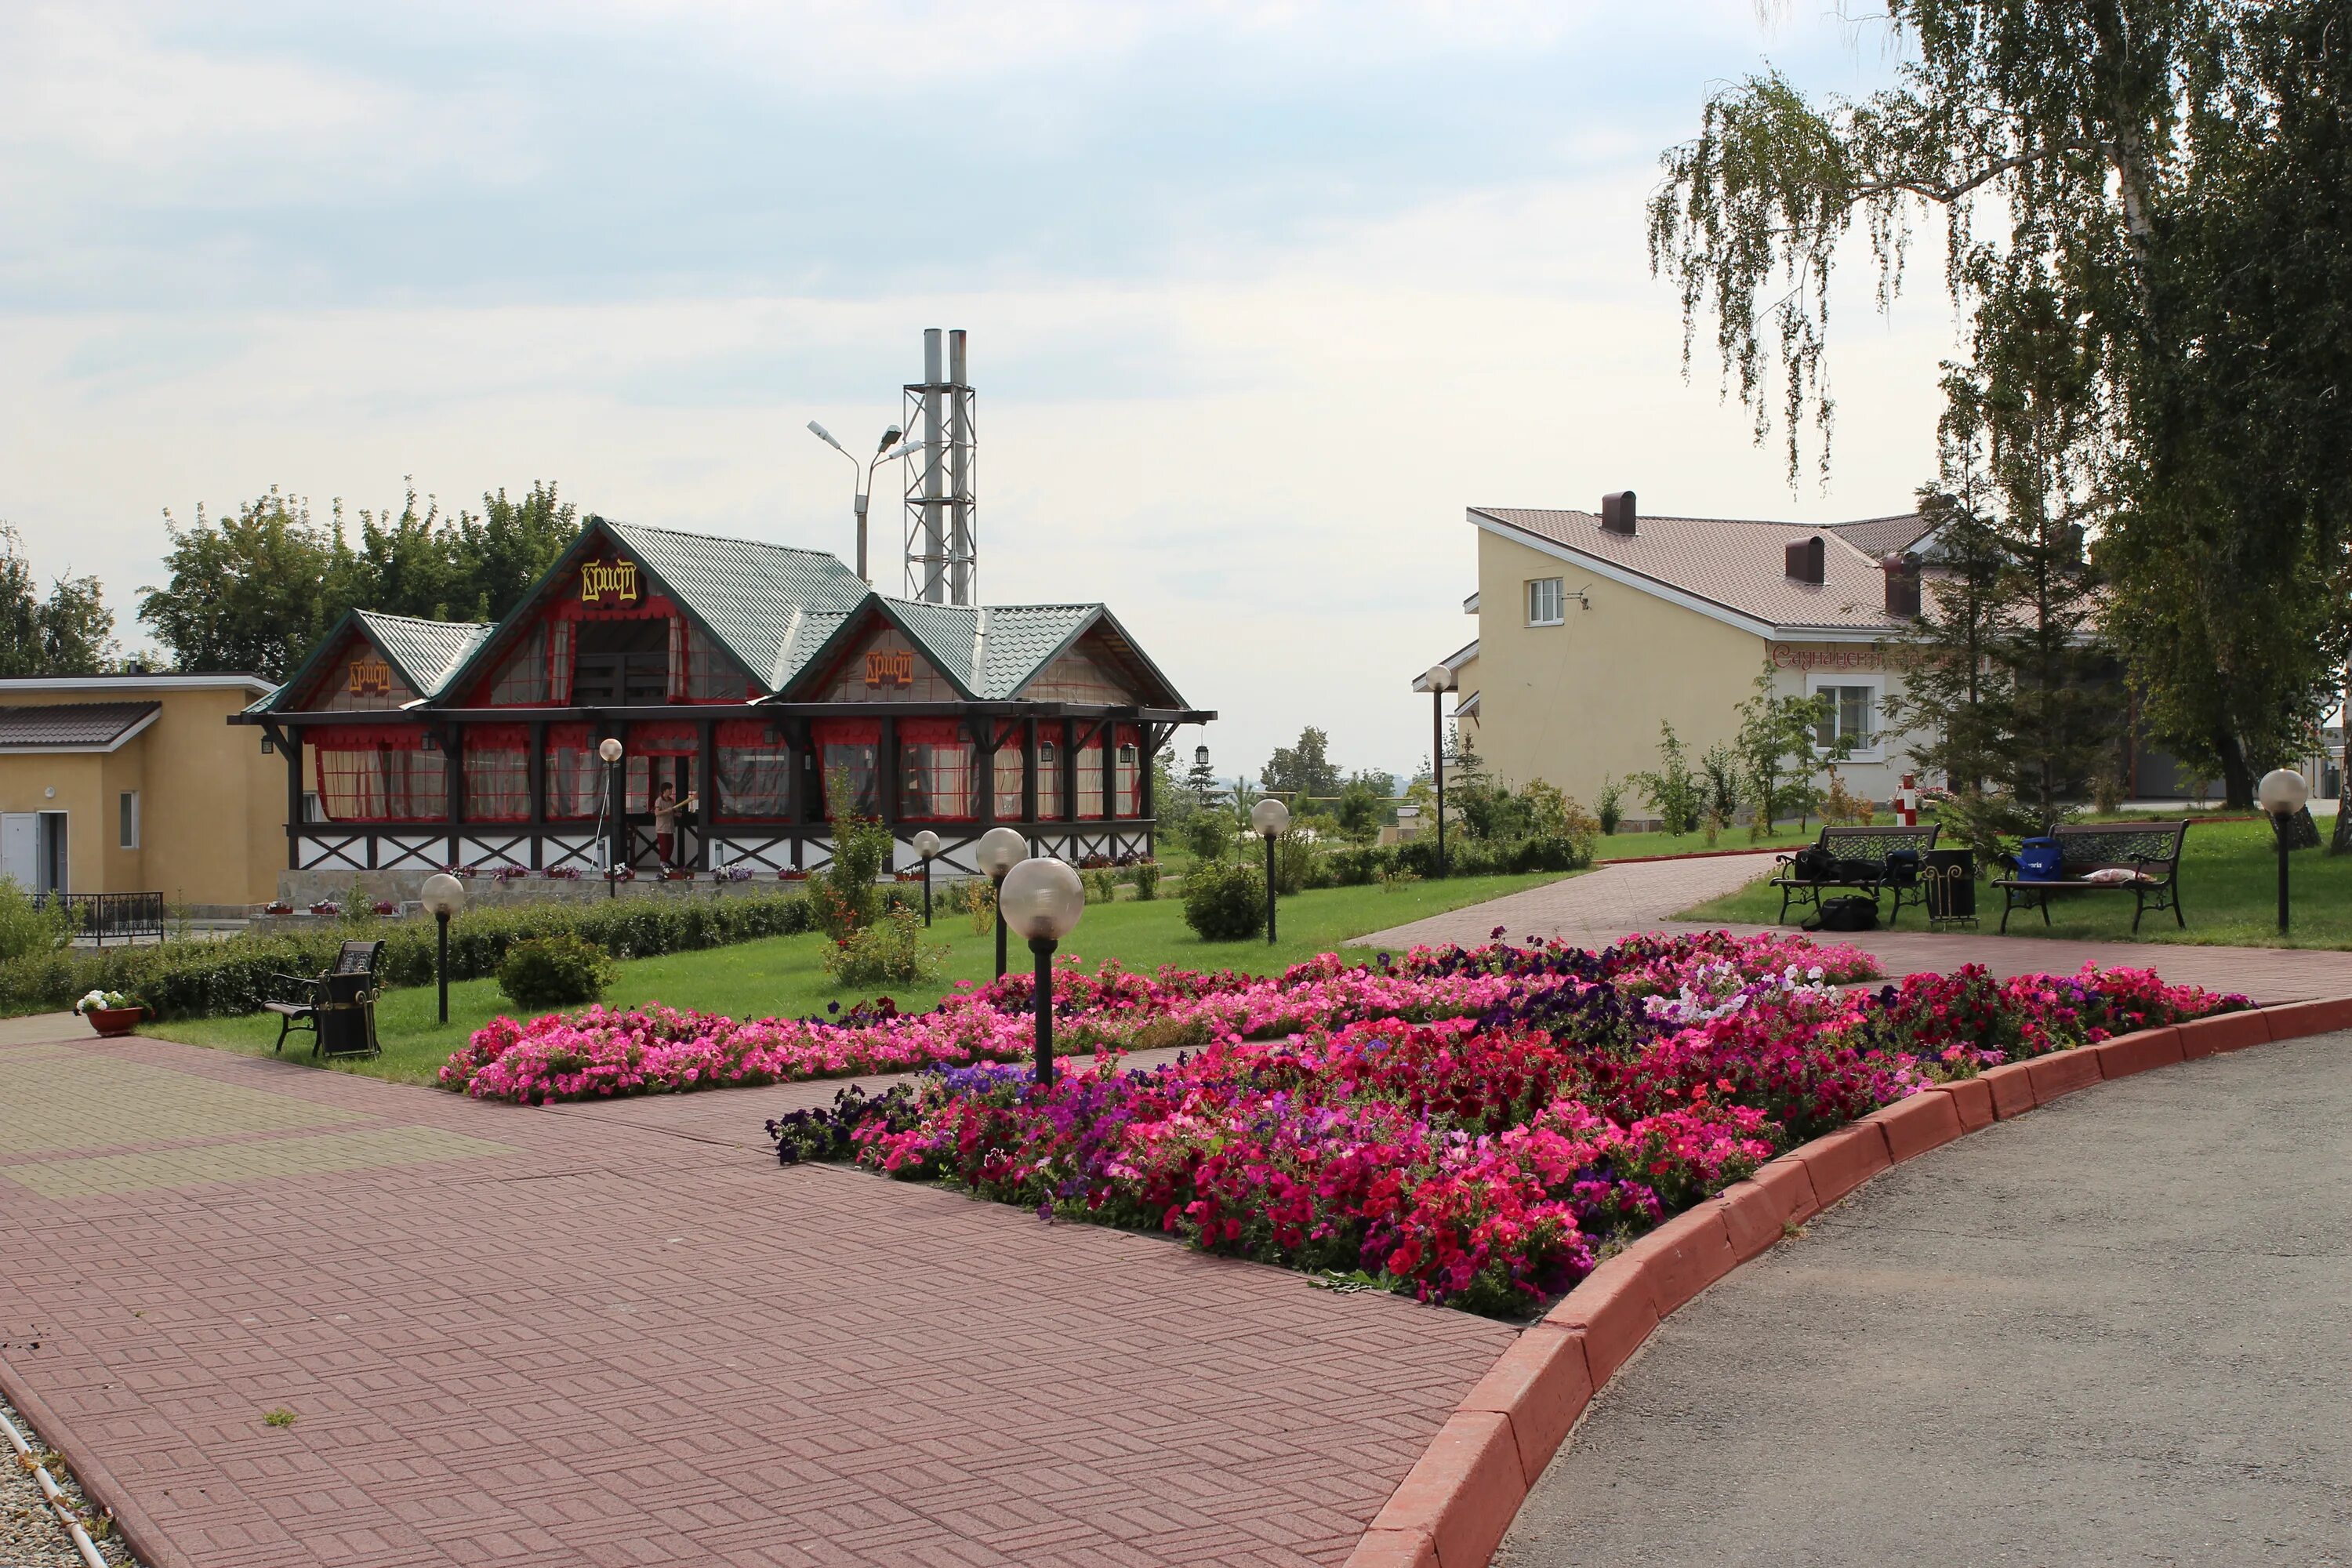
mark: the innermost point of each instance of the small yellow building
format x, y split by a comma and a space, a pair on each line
126, 784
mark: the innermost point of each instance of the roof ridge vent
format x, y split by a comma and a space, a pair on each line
1617, 513
1808, 560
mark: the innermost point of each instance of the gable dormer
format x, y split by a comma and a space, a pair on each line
354, 676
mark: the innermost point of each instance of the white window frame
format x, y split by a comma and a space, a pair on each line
1877, 684
1559, 616
126, 819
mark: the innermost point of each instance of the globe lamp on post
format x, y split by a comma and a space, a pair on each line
2282, 795
1269, 819
611, 748
1042, 900
1440, 680
442, 896
927, 844
1000, 849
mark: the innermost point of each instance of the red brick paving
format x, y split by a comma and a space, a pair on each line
624, 1343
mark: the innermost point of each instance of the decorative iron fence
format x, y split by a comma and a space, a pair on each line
121, 916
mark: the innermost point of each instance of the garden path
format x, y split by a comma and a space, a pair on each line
594, 1336
1626, 896
2118, 1330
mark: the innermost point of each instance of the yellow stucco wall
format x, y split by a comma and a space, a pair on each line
211, 808
1575, 703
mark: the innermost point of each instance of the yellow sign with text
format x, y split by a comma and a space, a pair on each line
611, 582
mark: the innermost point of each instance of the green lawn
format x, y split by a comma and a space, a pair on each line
2228, 882
782, 976
1639, 845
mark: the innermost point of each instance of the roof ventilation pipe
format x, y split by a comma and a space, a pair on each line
1808, 560
1902, 586
1617, 513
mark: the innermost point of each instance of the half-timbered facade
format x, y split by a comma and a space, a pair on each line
773, 685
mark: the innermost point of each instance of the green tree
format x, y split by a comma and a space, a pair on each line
1671, 788
1777, 750
1954, 709
1358, 809
69, 632
2158, 190
1201, 784
1304, 771
250, 591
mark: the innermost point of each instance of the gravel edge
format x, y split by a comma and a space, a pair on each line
30, 1535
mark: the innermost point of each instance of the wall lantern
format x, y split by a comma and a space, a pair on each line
1200, 756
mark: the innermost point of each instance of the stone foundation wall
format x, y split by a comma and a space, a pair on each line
303, 888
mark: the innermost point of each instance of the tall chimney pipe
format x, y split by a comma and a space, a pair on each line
962, 559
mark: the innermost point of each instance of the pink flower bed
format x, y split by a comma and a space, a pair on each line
605, 1052
1485, 1158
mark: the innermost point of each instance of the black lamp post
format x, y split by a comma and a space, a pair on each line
443, 896
1439, 680
2282, 795
1043, 900
1000, 849
610, 748
926, 843
1270, 819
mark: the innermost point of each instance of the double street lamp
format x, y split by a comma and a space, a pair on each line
1440, 680
891, 437
1000, 849
1042, 900
2282, 792
1269, 819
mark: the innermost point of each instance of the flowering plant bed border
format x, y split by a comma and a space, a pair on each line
1455, 1505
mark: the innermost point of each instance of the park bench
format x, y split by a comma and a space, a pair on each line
338, 1007
1859, 863
2150, 851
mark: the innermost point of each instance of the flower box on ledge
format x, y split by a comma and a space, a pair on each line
791, 874
326, 907
386, 907
562, 873
677, 874
278, 908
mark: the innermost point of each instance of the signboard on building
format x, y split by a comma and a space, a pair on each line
891, 667
612, 582
370, 677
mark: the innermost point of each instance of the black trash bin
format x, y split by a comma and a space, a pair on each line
1951, 878
347, 1016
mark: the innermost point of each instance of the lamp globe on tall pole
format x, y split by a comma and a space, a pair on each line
611, 750
2282, 792
1440, 680
1269, 819
1042, 900
927, 844
1000, 849
442, 896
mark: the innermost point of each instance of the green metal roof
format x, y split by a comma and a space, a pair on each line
750, 596
427, 653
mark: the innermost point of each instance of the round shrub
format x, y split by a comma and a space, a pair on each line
554, 972
1225, 900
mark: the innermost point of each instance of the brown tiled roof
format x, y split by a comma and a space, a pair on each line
1879, 537
1737, 564
71, 723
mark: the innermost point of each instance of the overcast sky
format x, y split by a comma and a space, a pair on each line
1260, 296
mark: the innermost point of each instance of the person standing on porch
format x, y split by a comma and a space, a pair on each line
666, 806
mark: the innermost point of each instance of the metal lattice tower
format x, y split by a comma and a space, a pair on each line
943, 554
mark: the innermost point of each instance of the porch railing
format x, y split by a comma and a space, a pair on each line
121, 916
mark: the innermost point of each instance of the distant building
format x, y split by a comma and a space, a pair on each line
126, 784
1594, 627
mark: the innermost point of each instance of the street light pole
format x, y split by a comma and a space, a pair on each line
1046, 900
891, 437
1439, 680
926, 843
1270, 818
611, 750
2282, 795
1000, 850
443, 895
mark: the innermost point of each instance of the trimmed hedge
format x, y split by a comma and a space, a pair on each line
209, 979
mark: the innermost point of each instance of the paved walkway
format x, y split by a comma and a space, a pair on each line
2118, 1331
1595, 909
621, 1334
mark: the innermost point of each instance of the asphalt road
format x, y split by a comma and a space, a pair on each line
2118, 1331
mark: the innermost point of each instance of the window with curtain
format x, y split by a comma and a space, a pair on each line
521, 679
712, 673
1090, 778
498, 773
755, 770
377, 775
939, 771
575, 775
848, 749
1127, 801
1007, 771
653, 749
1049, 779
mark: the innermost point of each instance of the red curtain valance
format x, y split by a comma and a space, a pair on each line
747, 732
848, 731
653, 607
364, 736
664, 738
497, 737
931, 733
569, 738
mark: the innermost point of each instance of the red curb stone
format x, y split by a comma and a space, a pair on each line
1685, 1256
2012, 1088
1792, 1186
2229, 1032
2062, 1072
1542, 1383
1918, 1123
1971, 1100
1614, 1311
1751, 1219
2298, 1019
1842, 1161
1394, 1549
1463, 1492
2140, 1051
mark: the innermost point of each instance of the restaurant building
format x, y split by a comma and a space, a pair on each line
1594, 627
774, 685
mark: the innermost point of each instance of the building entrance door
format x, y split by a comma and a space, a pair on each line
32, 851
